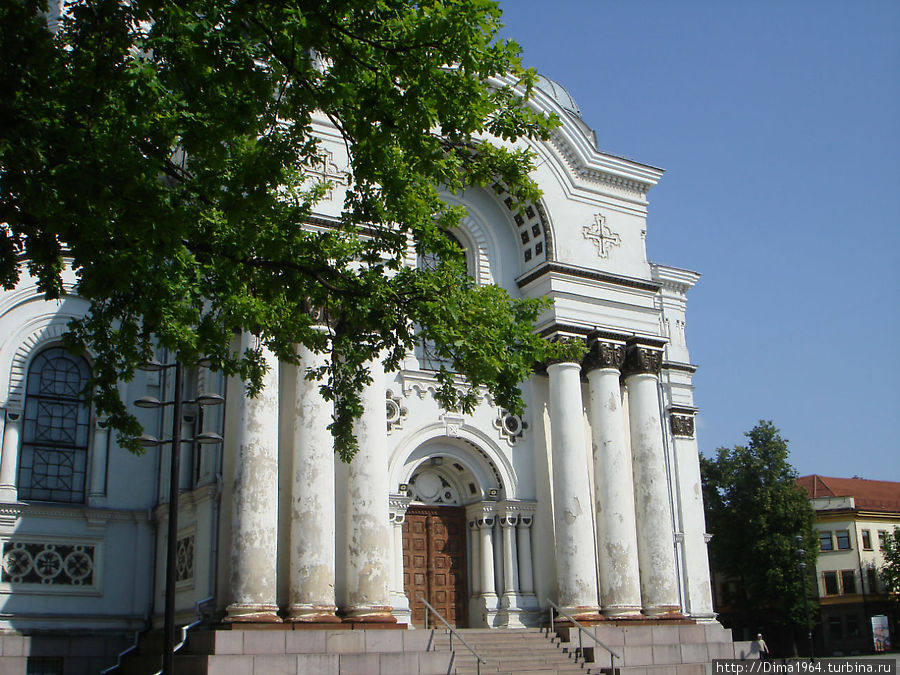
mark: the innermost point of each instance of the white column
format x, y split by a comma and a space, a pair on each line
475, 540
99, 456
254, 512
698, 592
399, 599
523, 536
575, 560
368, 526
9, 460
312, 529
486, 551
508, 524
617, 552
656, 543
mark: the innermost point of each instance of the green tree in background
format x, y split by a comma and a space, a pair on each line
890, 570
754, 510
165, 151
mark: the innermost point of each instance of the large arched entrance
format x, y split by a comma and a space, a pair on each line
435, 552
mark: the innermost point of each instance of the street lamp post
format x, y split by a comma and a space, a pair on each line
175, 441
801, 564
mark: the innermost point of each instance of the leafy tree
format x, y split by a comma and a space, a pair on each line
754, 510
166, 152
890, 570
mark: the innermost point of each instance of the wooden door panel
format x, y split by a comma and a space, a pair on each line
434, 562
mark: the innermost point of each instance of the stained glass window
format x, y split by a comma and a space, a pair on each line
53, 459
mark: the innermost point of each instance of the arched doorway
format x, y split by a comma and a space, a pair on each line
435, 559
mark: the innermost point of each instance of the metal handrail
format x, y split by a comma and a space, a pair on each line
453, 632
581, 629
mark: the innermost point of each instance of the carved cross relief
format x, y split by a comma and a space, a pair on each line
326, 170
603, 237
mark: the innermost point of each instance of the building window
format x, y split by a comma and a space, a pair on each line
881, 535
835, 630
825, 541
830, 580
848, 582
53, 458
843, 540
867, 540
872, 578
853, 630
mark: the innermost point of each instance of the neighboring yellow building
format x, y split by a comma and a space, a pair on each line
852, 517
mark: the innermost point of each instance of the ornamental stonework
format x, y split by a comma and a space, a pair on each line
47, 564
682, 425
184, 559
605, 355
601, 235
640, 360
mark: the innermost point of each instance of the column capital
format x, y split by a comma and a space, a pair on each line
605, 354
397, 506
13, 414
480, 511
643, 359
682, 425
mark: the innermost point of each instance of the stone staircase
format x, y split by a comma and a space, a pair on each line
644, 649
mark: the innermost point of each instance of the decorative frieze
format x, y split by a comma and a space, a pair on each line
48, 564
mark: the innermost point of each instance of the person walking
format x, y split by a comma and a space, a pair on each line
762, 647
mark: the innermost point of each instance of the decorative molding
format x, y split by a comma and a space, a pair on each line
12, 512
535, 239
511, 427
627, 186
682, 425
683, 410
424, 384
602, 236
641, 359
395, 410
585, 273
184, 560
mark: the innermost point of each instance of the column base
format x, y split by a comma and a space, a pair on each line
241, 613
582, 614
628, 613
369, 614
664, 612
303, 613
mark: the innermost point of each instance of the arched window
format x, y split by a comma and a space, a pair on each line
53, 457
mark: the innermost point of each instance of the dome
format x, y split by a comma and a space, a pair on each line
559, 93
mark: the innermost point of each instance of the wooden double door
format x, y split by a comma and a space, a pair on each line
434, 562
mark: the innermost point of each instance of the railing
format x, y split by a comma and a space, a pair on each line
184, 631
582, 630
453, 632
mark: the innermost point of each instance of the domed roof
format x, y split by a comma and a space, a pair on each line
559, 93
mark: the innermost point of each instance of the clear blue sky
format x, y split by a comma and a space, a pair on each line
778, 124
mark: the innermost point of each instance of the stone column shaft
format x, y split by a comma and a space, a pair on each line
9, 460
99, 454
254, 512
475, 540
368, 526
486, 551
656, 552
312, 530
526, 573
510, 555
617, 551
575, 560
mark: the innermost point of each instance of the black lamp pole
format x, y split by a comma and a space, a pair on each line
802, 566
177, 403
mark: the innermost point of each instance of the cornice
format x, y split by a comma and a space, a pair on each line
677, 365
13, 511
674, 279
683, 410
585, 273
624, 184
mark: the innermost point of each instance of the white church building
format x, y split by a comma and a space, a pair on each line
590, 499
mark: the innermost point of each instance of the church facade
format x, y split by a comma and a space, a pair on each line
590, 499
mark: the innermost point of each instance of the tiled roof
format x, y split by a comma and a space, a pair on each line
869, 495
